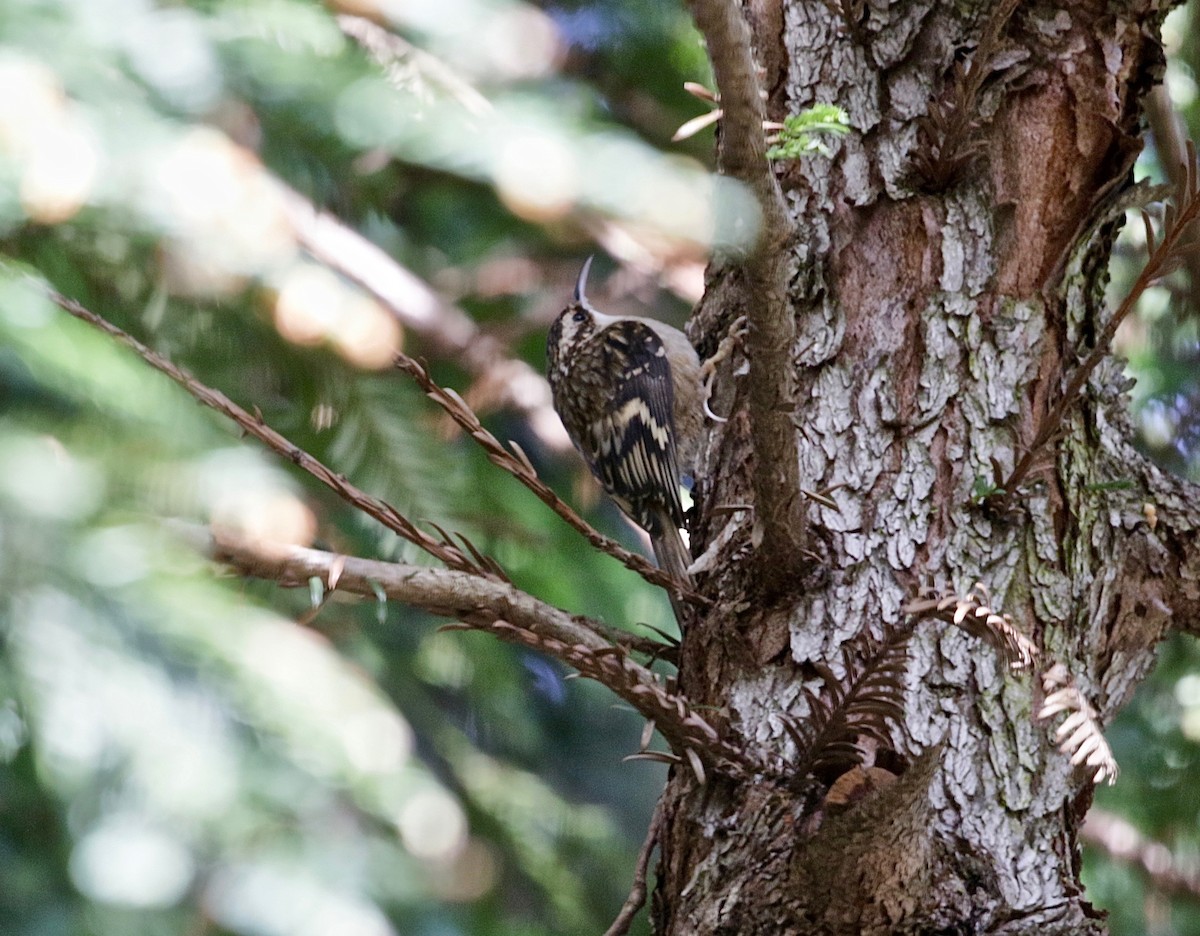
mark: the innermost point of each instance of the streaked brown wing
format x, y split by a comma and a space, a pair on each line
632, 444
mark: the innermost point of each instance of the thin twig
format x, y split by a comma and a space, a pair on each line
772, 329
1162, 254
520, 468
693, 738
637, 893
1170, 142
253, 425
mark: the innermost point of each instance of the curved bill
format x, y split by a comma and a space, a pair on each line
581, 283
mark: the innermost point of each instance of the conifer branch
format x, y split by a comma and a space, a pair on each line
444, 549
443, 592
1170, 143
517, 464
392, 52
505, 611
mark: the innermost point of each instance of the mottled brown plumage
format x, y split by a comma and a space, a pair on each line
629, 394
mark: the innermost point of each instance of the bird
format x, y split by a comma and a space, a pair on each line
629, 393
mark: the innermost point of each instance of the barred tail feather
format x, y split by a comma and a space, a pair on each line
673, 558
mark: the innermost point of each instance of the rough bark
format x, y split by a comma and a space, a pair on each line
934, 328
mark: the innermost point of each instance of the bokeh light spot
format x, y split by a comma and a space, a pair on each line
522, 43
313, 305
226, 215
537, 176
377, 741
306, 306
471, 875
126, 861
40, 476
432, 825
47, 139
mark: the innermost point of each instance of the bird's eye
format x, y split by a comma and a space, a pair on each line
579, 316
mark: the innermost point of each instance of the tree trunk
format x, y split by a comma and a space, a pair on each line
942, 294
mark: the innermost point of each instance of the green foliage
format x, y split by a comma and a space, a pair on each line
800, 134
983, 488
180, 750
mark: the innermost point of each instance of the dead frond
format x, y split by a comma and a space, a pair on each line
1079, 736
974, 614
948, 136
862, 704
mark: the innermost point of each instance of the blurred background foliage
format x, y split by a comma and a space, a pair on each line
278, 195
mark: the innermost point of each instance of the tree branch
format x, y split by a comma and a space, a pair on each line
444, 592
433, 590
503, 610
253, 425
771, 327
520, 467
1120, 840
455, 558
